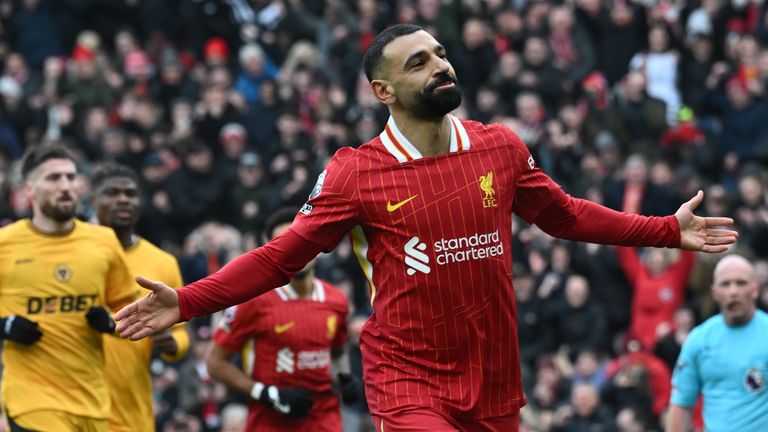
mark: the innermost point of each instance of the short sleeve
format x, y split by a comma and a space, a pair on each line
332, 209
685, 378
233, 329
535, 190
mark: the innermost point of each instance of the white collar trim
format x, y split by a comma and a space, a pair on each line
402, 149
286, 292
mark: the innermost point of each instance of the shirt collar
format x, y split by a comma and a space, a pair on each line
287, 293
398, 145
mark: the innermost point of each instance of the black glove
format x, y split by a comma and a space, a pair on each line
100, 320
350, 387
293, 402
19, 329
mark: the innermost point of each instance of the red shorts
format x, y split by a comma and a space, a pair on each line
427, 420
324, 417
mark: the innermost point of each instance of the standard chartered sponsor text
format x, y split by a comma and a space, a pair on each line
314, 359
475, 247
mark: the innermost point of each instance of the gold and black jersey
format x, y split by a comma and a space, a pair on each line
53, 280
128, 375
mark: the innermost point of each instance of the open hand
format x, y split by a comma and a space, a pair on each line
156, 311
704, 234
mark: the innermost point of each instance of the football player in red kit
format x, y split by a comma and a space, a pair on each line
288, 339
429, 204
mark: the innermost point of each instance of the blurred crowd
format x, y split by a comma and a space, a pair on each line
229, 109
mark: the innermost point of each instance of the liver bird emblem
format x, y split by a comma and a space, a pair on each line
486, 185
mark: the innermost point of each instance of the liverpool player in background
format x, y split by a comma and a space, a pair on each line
56, 275
288, 338
429, 203
117, 201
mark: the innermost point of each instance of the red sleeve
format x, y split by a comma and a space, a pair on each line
234, 328
576, 219
540, 201
248, 276
630, 262
322, 222
332, 210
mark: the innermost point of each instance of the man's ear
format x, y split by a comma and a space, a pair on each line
27, 185
383, 91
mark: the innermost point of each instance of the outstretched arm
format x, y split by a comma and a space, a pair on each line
582, 220
248, 276
541, 201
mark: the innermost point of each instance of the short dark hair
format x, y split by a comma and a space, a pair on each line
373, 56
111, 170
282, 216
39, 154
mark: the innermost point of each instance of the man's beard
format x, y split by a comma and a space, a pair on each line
119, 224
59, 214
430, 104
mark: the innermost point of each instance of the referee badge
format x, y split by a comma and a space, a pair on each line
754, 380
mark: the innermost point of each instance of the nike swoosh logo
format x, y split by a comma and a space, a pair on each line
392, 207
282, 328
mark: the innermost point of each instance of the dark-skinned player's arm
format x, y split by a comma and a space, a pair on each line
350, 387
293, 402
224, 371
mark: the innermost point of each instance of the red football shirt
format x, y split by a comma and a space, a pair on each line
286, 341
432, 235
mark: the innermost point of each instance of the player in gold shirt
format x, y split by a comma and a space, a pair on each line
57, 275
117, 201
